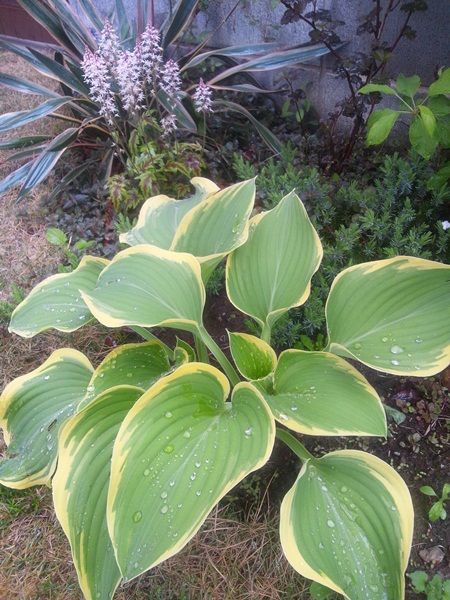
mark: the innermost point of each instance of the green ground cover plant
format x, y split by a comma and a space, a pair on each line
140, 449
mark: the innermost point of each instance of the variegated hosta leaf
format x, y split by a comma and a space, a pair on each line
347, 523
147, 286
131, 364
56, 302
217, 225
180, 449
160, 216
80, 488
254, 358
188, 348
317, 393
32, 409
392, 315
272, 271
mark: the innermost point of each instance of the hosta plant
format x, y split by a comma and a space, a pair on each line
140, 448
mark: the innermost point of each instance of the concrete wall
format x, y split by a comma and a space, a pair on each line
259, 20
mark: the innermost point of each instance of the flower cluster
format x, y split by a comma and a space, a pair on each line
203, 98
130, 78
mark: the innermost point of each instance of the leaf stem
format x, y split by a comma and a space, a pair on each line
149, 336
266, 333
202, 352
223, 361
291, 442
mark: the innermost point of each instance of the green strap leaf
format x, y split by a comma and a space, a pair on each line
217, 225
271, 273
32, 409
17, 119
254, 358
26, 87
160, 216
147, 286
180, 449
441, 85
347, 523
139, 365
56, 302
178, 20
392, 315
317, 393
80, 488
380, 124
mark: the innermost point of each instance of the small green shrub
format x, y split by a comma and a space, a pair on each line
437, 511
436, 588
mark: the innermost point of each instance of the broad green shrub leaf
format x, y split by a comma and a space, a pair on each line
381, 88
139, 365
271, 272
56, 302
80, 488
147, 286
317, 393
380, 124
217, 225
439, 105
180, 449
347, 523
56, 236
32, 409
441, 85
160, 216
407, 86
423, 133
254, 358
392, 315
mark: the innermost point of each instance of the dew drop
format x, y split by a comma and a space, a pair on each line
418, 340
146, 472
187, 434
46, 377
168, 414
163, 495
330, 523
294, 408
248, 432
283, 416
396, 349
137, 516
384, 339
357, 346
198, 493
164, 509
169, 449
394, 362
344, 489
193, 476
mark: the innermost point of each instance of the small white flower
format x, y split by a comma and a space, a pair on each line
168, 124
203, 97
151, 54
170, 81
97, 76
109, 45
445, 225
128, 75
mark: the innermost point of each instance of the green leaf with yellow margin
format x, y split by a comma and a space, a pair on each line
254, 358
180, 449
32, 409
160, 216
217, 225
139, 365
271, 272
148, 286
56, 302
392, 315
347, 523
317, 393
80, 488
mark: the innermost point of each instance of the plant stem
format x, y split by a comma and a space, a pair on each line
297, 447
266, 333
202, 352
223, 361
148, 335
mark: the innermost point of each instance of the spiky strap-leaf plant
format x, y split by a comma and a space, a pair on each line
140, 449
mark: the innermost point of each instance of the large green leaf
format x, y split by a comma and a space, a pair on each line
392, 315
22, 117
160, 216
254, 358
180, 449
32, 409
56, 302
271, 272
217, 225
139, 365
380, 124
407, 86
347, 523
441, 85
423, 132
379, 88
80, 488
317, 393
147, 286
